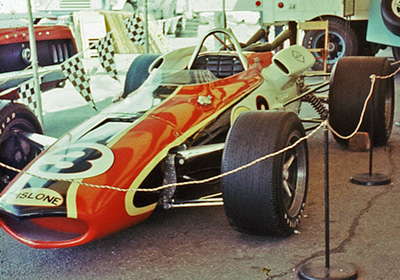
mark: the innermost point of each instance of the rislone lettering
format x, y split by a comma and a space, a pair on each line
36, 197
40, 196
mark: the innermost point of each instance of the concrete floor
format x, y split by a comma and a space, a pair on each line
198, 243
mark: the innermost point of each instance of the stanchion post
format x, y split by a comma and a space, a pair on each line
317, 270
370, 178
327, 237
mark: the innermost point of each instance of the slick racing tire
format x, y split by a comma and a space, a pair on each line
342, 42
349, 87
14, 149
138, 72
390, 10
267, 198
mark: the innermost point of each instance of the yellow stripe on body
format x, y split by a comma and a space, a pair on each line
130, 208
72, 211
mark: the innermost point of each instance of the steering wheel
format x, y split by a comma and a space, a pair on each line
233, 46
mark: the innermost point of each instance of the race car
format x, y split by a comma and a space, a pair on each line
182, 118
55, 44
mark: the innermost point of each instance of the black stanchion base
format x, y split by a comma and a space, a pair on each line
316, 271
367, 179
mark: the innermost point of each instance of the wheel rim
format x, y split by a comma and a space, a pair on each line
14, 149
396, 8
294, 177
337, 46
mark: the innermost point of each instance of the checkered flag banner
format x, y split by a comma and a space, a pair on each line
75, 72
135, 28
105, 47
27, 96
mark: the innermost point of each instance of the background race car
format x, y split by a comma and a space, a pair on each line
18, 103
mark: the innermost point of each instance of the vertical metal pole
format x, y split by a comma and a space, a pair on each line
223, 14
316, 270
34, 62
371, 135
146, 26
327, 249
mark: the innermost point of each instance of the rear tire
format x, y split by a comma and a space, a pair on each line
138, 72
15, 150
256, 199
350, 86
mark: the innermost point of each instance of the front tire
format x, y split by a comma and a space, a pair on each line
350, 86
15, 150
267, 198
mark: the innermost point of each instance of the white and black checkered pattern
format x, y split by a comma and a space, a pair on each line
27, 96
105, 47
135, 28
75, 72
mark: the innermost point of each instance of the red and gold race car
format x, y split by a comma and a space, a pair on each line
183, 118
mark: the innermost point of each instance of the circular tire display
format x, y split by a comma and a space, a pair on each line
14, 149
350, 86
390, 10
138, 72
267, 198
342, 42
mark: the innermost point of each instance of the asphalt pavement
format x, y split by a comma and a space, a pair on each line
198, 243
